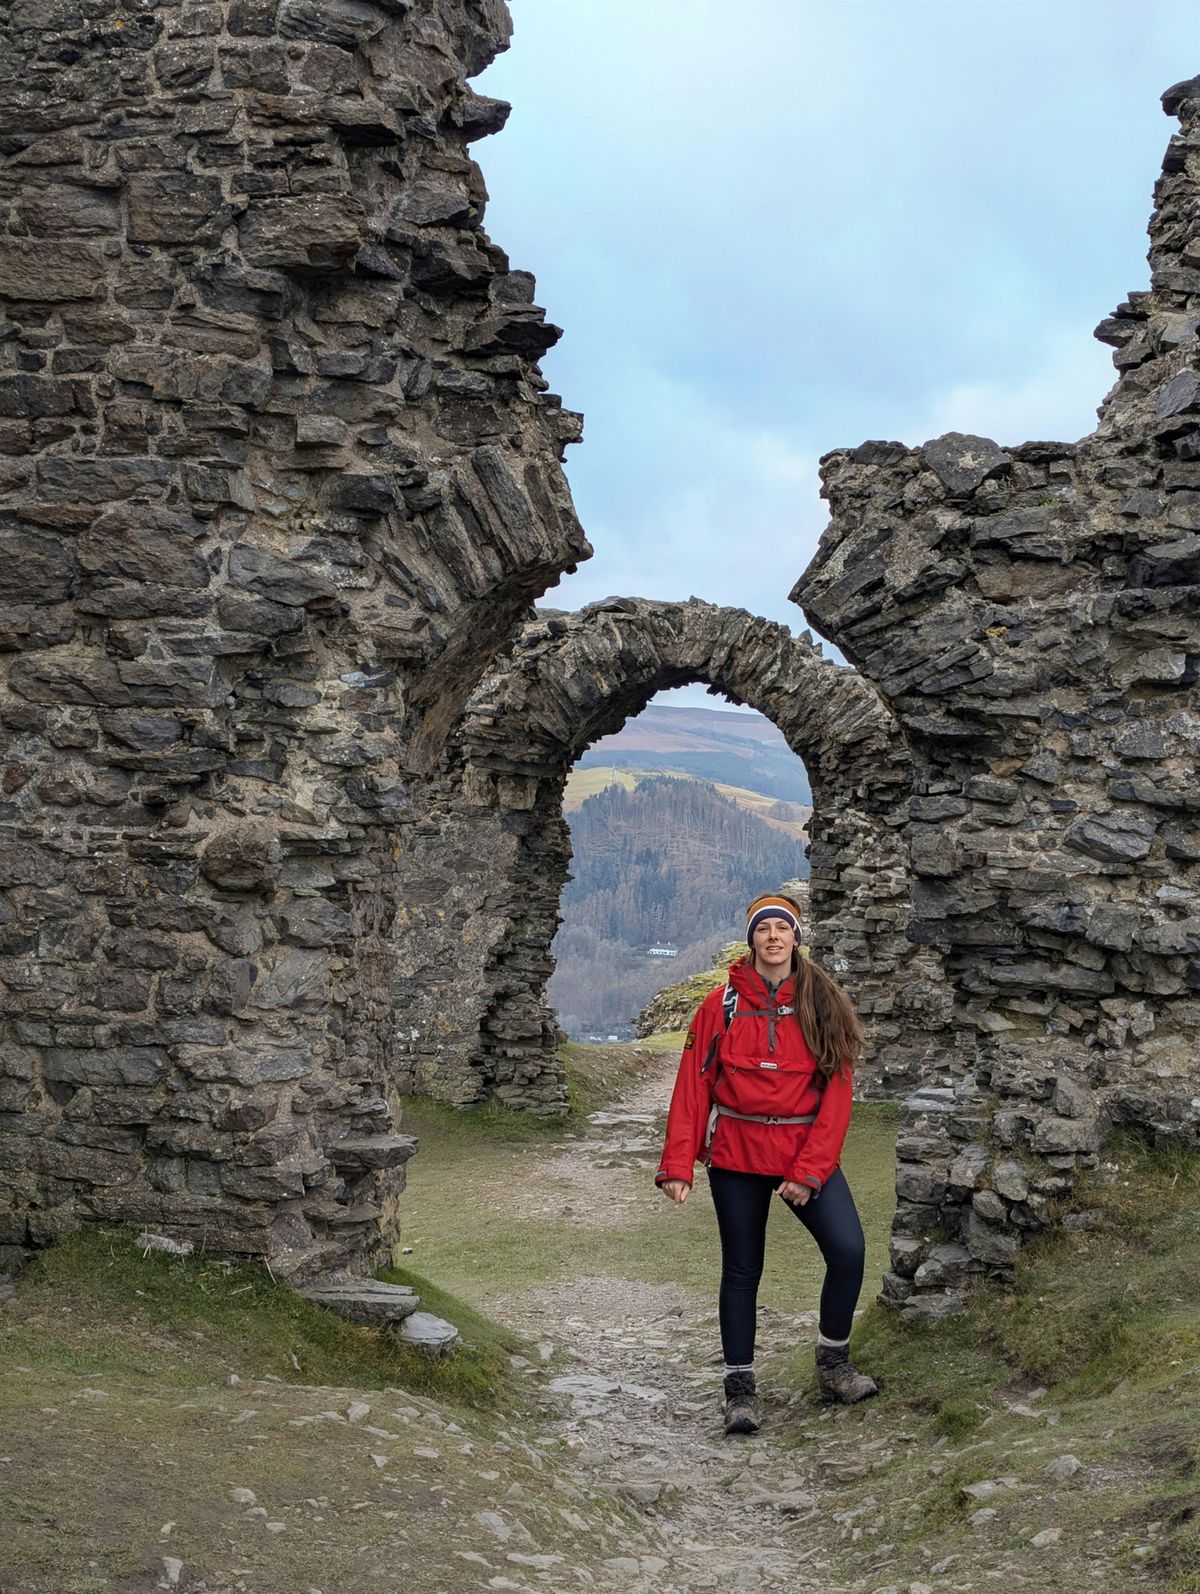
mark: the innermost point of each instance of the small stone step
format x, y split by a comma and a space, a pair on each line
360, 1153
425, 1332
365, 1300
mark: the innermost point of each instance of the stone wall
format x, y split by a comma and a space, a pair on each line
279, 480
471, 999
278, 476
1031, 616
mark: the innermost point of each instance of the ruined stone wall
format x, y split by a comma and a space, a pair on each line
1032, 617
278, 476
471, 1002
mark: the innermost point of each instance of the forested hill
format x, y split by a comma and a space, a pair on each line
670, 858
671, 863
737, 749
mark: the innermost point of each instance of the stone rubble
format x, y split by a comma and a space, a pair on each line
366, 1301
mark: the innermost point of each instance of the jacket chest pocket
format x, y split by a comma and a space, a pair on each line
764, 1087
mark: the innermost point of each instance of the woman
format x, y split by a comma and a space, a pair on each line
763, 1099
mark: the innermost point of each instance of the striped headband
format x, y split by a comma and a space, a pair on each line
769, 908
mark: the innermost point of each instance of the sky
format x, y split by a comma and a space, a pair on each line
770, 228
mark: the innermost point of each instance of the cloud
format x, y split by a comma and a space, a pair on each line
1056, 400
682, 498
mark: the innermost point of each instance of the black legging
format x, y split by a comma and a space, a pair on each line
743, 1202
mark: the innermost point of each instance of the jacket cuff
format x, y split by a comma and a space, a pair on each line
809, 1179
664, 1174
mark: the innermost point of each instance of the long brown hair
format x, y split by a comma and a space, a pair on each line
825, 1013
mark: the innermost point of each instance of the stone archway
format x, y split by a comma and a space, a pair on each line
1032, 617
574, 678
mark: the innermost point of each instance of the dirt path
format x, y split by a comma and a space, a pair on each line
120, 1473
643, 1379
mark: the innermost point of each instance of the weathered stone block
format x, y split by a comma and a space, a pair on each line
175, 208
49, 271
64, 478
1072, 1099
279, 580
1010, 1181
244, 1064
1180, 396
924, 1185
1058, 1136
1118, 837
366, 1301
244, 858
360, 1153
994, 1247
290, 978
963, 462
317, 230
968, 1167
114, 1065
945, 1266
345, 23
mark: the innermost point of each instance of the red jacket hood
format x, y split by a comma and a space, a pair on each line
752, 988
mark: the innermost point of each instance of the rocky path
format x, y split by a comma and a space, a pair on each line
642, 1377
117, 1478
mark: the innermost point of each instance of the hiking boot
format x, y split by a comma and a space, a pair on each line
838, 1378
743, 1413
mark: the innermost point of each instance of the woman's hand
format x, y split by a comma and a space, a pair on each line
676, 1190
794, 1193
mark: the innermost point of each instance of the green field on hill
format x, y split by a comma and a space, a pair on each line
585, 783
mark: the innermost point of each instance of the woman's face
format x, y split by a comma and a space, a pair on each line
774, 943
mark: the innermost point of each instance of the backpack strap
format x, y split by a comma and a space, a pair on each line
729, 1004
728, 1012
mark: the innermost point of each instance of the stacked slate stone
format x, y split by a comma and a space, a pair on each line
572, 679
1032, 617
278, 476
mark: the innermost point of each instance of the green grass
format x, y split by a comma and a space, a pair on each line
1107, 1322
1115, 1303
458, 1216
949, 1371
95, 1303
599, 1075
1119, 1303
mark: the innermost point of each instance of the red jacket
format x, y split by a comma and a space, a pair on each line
761, 1066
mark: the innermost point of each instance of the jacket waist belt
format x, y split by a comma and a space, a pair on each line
748, 1118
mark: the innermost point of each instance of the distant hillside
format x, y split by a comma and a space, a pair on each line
791, 818
743, 750
670, 865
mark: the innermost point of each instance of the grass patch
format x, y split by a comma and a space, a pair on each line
948, 1371
1088, 1310
598, 1076
487, 1214
478, 1373
93, 1302
1119, 1302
